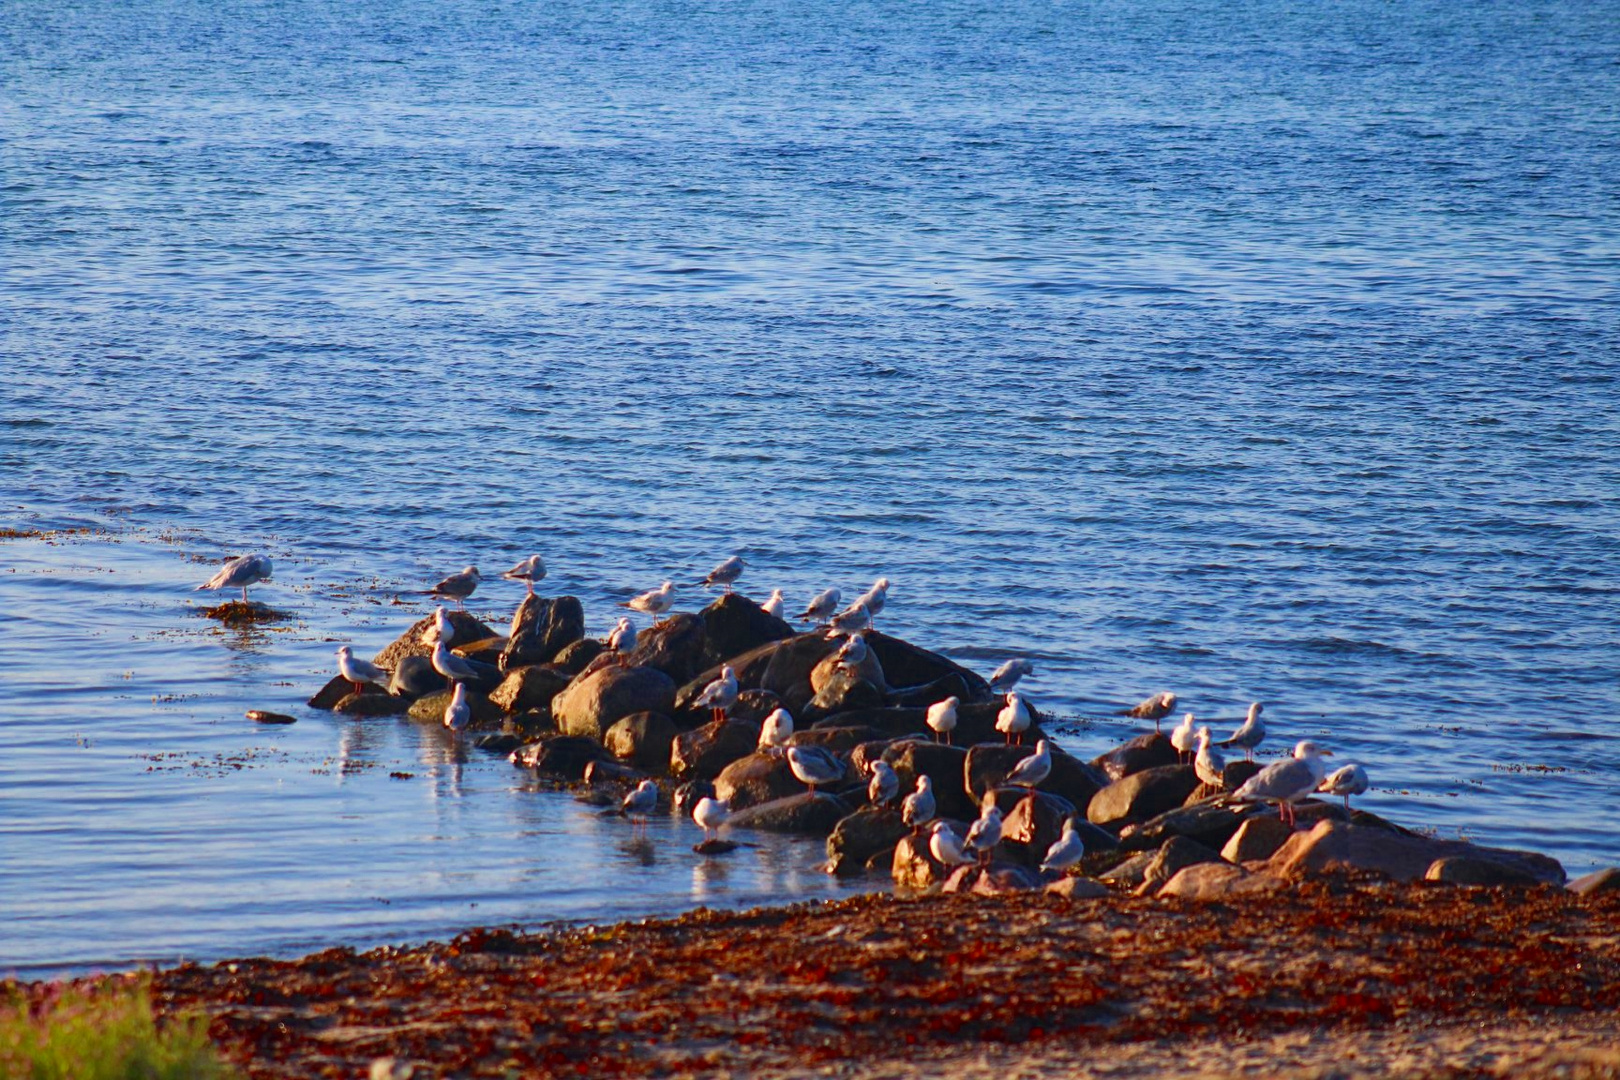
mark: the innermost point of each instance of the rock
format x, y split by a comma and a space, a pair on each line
1256, 839
1334, 845
881, 862
750, 669
264, 716
1597, 882
977, 724
1141, 795
913, 866
787, 673
715, 847
829, 668
865, 753
674, 647
755, 779
643, 739
920, 697
528, 688
753, 706
574, 656
1078, 888
861, 835
594, 702
736, 625
484, 651
1237, 773
1032, 821
541, 629
529, 725
906, 665
943, 765
1217, 881
500, 742
896, 723
1149, 751
372, 705
841, 693
703, 752
336, 689
810, 813
989, 763
1176, 855
561, 755
414, 677
612, 772
430, 709
840, 740
1208, 823
993, 880
1132, 872
464, 628
1463, 870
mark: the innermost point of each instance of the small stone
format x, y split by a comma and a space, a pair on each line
372, 705
1078, 888
260, 716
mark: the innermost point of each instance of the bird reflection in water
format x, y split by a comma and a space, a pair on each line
710, 879
640, 849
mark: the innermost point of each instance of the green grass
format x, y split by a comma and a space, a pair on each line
105, 1034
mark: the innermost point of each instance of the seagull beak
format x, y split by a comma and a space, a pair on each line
1325, 753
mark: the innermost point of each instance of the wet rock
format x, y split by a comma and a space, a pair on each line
914, 866
840, 694
865, 753
1208, 823
994, 880
643, 739
1597, 882
1176, 855
1132, 872
500, 742
736, 625
372, 705
813, 814
1141, 795
464, 628
906, 665
787, 673
943, 765
485, 651
574, 656
530, 724
612, 772
565, 756
920, 697
674, 647
1217, 881
1334, 845
414, 677
594, 702
715, 847
1032, 821
840, 740
749, 667
1078, 888
430, 709
989, 763
881, 862
528, 688
828, 669
262, 716
755, 779
1256, 839
704, 752
896, 723
861, 835
541, 629
244, 613
1149, 751
1463, 870
336, 689
753, 706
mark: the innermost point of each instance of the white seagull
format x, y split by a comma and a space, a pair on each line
885, 784
946, 847
1032, 770
919, 807
1005, 677
1347, 780
653, 602
853, 652
852, 620
1067, 850
1155, 708
1014, 718
773, 607
815, 766
942, 718
726, 573
622, 638
1251, 734
720, 695
711, 815
821, 606
1286, 782
1209, 765
359, 671
451, 666
985, 833
529, 571
774, 732
442, 629
640, 802
874, 599
458, 714
1183, 738
239, 573
457, 587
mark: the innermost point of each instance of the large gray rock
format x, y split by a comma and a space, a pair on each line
906, 665
1141, 795
541, 629
861, 835
413, 677
1149, 751
756, 778
465, 629
736, 625
1334, 845
989, 763
702, 753
675, 647
829, 668
1208, 823
528, 688
813, 814
594, 702
842, 692
372, 705
642, 739
943, 765
565, 756
430, 709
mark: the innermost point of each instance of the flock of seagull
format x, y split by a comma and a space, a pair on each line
1284, 783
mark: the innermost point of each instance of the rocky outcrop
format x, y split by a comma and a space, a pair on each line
1256, 839
1208, 823
413, 677
813, 814
736, 625
528, 688
1149, 751
642, 739
702, 753
594, 702
1334, 845
674, 647
430, 709
465, 629
861, 835
907, 665
943, 765
756, 778
1142, 795
1178, 853
541, 629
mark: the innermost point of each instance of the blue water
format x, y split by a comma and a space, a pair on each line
1254, 351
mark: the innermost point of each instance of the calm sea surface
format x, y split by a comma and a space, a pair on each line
1257, 351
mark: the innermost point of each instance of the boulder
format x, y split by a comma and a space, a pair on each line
989, 763
897, 723
977, 724
612, 772
914, 866
993, 880
464, 628
430, 709
753, 706
1256, 839
840, 740
413, 677
750, 669
1209, 823
842, 693
529, 725
906, 665
372, 705
736, 625
528, 688
755, 779
1597, 882
642, 739
1141, 795
1217, 881
1150, 751
1232, 778
1178, 853
1031, 823
814, 814
566, 756
787, 672
1334, 845
1078, 888
1132, 872
484, 651
1464, 870
574, 656
541, 629
674, 647
829, 668
861, 835
943, 765
594, 702
702, 753
498, 742
336, 689
920, 697
865, 753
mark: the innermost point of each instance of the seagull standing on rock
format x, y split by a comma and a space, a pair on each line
985, 833
457, 587
1067, 850
1286, 782
1005, 677
720, 695
774, 732
1183, 738
622, 638
359, 671
711, 815
442, 629
852, 620
946, 847
654, 602
530, 571
821, 606
1348, 780
773, 607
852, 654
942, 718
874, 599
455, 668
1251, 734
815, 766
919, 807
239, 573
885, 784
458, 714
1209, 765
726, 573
1034, 769
1014, 718
1155, 708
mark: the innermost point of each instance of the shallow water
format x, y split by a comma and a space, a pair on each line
1267, 353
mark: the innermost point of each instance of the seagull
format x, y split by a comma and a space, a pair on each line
720, 695
774, 732
1348, 780
654, 602
985, 833
1182, 737
852, 654
528, 571
458, 714
726, 573
1067, 850
1286, 782
942, 718
946, 847
814, 766
773, 606
442, 628
821, 606
1155, 708
239, 573
1005, 677
457, 587
918, 808
884, 786
640, 802
453, 667
852, 620
874, 598
710, 815
359, 671
1014, 718
1209, 764
1032, 770
1251, 734
622, 638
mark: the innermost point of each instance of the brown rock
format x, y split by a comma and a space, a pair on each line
1257, 838
336, 689
906, 665
1463, 870
943, 765
858, 837
1031, 822
1598, 881
755, 779
430, 709
541, 629
913, 866
674, 647
840, 740
1176, 855
1142, 795
988, 764
1078, 888
575, 656
843, 692
372, 705
736, 625
528, 688
1333, 845
593, 702
642, 739
787, 673
811, 813
1209, 823
829, 668
1217, 881
1150, 751
1132, 872
701, 754
752, 707
566, 756
464, 628
485, 650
